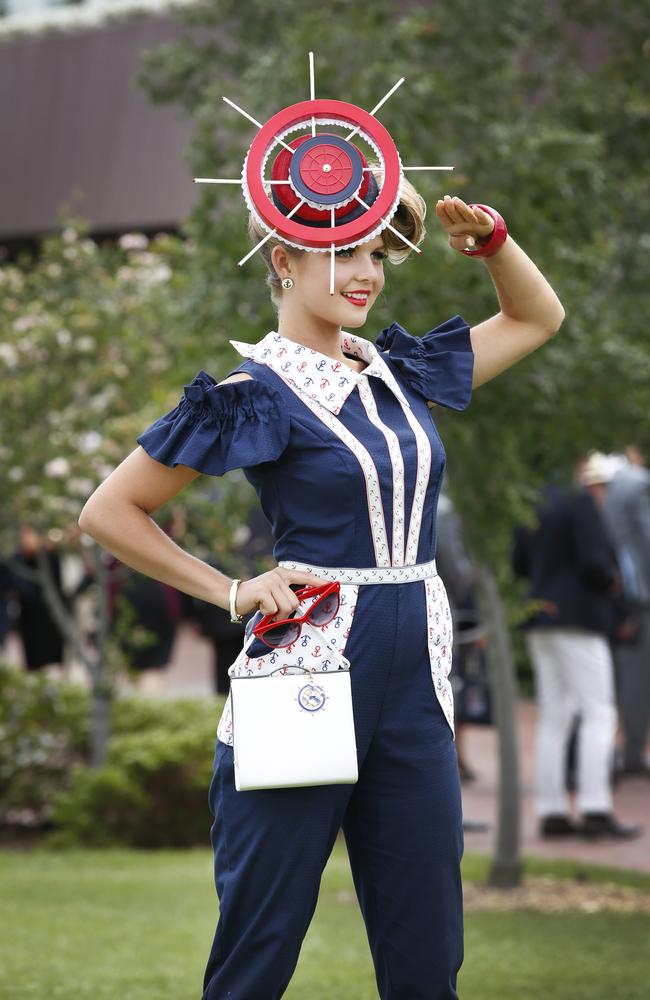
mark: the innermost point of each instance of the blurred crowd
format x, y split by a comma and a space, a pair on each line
154, 610
586, 563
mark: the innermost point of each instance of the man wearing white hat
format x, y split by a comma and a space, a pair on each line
573, 579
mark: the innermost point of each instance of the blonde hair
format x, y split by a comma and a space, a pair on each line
407, 220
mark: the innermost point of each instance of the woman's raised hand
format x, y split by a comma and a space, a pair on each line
464, 225
270, 592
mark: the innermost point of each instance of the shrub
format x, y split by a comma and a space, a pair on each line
153, 789
43, 733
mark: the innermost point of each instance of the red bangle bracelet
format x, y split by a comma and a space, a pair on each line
496, 238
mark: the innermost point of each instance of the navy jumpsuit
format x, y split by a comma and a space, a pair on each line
347, 466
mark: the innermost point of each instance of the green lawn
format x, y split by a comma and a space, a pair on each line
126, 925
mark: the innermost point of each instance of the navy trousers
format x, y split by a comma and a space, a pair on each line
402, 823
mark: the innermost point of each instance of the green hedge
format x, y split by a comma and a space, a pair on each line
152, 791
43, 734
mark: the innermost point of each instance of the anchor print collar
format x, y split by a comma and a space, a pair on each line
320, 377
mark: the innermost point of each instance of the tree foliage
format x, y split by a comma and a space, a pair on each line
98, 341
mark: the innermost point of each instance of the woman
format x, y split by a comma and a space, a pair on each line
335, 434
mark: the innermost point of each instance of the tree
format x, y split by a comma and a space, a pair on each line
96, 340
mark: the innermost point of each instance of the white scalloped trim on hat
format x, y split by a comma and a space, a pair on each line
307, 124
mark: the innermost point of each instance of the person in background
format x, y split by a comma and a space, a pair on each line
41, 637
455, 569
157, 608
574, 580
627, 514
6, 595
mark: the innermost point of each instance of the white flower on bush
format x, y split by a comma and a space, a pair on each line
57, 468
11, 277
26, 322
145, 259
147, 269
16, 474
16, 280
70, 253
69, 235
102, 400
63, 338
55, 505
81, 487
85, 344
154, 276
90, 441
133, 241
8, 355
88, 246
54, 270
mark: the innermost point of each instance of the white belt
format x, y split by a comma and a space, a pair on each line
370, 574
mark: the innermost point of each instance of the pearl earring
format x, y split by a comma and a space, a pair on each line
287, 282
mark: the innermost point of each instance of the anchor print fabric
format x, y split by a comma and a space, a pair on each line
347, 464
440, 638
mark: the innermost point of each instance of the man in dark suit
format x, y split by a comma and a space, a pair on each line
574, 580
627, 514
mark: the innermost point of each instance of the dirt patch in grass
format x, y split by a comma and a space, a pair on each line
546, 894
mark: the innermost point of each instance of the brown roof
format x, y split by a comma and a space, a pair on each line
72, 117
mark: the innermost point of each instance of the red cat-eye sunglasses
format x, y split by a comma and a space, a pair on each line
284, 631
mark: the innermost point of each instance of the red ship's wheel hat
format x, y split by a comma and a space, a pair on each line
321, 194
326, 177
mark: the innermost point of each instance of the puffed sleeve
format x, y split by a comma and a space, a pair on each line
215, 428
439, 365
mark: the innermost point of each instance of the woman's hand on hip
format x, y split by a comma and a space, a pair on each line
462, 223
271, 593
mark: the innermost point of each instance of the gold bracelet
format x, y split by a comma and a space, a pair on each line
234, 616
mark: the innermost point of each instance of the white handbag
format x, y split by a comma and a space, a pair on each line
293, 729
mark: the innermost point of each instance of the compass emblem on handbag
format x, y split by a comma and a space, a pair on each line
311, 697
322, 175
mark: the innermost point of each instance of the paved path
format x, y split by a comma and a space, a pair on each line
631, 803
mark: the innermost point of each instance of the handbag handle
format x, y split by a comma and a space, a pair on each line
307, 670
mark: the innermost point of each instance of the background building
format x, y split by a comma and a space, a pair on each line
77, 131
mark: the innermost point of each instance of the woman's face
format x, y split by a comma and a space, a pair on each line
360, 270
